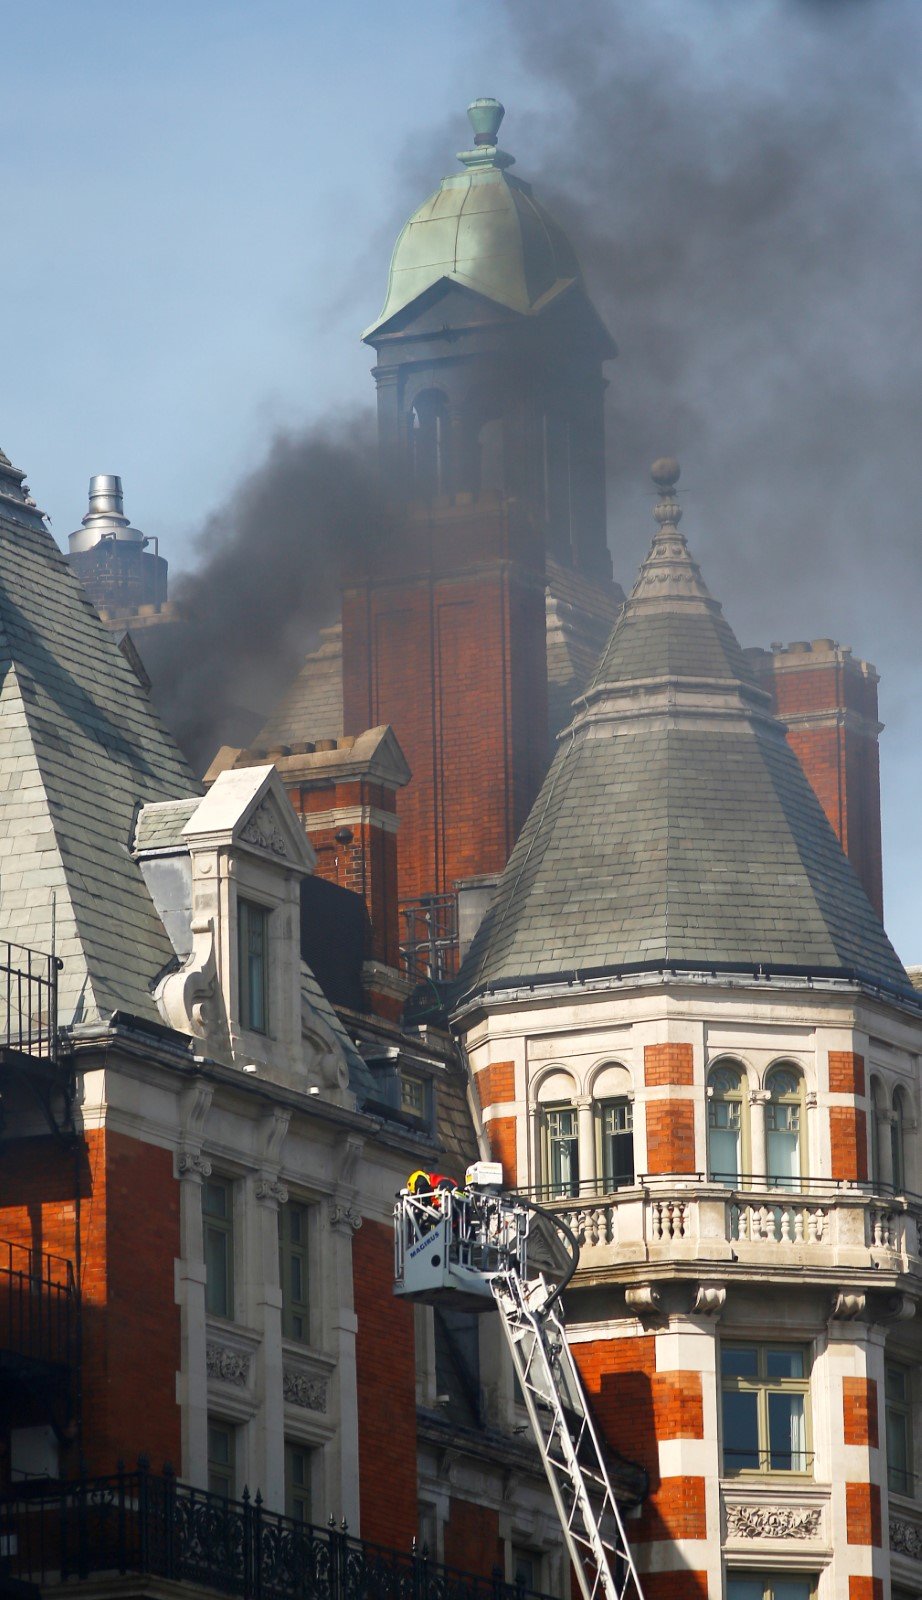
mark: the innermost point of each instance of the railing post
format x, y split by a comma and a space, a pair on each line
121, 1540
247, 1545
143, 1514
172, 1555
258, 1545
81, 1493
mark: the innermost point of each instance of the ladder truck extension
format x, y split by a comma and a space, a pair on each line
470, 1248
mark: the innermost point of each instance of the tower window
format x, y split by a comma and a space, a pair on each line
561, 1142
616, 1131
253, 955
727, 1125
784, 1127
429, 444
765, 1389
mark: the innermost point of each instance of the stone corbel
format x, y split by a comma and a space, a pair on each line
326, 1061
847, 1305
270, 1191
899, 1308
272, 1131
644, 1299
190, 1000
710, 1299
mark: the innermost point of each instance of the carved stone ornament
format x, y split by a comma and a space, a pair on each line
271, 1190
311, 1393
710, 1299
190, 1000
192, 1164
846, 1306
906, 1538
644, 1299
343, 1216
772, 1522
263, 830
230, 1366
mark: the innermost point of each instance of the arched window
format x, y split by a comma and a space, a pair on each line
877, 1108
784, 1127
429, 444
561, 1147
898, 1140
727, 1125
614, 1119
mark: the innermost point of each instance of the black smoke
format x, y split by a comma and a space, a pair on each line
270, 566
744, 186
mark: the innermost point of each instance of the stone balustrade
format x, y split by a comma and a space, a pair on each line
660, 1221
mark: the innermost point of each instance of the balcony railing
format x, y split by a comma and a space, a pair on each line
429, 937
28, 1001
833, 1223
38, 1307
142, 1523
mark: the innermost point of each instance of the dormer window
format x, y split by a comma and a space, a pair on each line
253, 974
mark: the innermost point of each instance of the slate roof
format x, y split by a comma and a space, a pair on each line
80, 750
676, 824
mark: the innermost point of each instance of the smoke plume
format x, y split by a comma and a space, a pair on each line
744, 185
270, 566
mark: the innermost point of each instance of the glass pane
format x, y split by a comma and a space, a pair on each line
217, 1279
787, 1433
792, 1588
297, 1289
741, 1431
294, 1224
214, 1199
783, 1151
219, 1450
724, 1154
618, 1159
898, 1463
738, 1361
745, 1588
782, 1362
895, 1383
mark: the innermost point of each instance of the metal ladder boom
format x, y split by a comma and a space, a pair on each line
563, 1430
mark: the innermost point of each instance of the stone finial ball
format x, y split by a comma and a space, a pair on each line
665, 472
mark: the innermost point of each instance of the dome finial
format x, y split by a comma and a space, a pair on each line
665, 473
485, 116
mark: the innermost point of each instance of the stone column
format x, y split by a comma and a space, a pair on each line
758, 1143
588, 1166
267, 1457
192, 1168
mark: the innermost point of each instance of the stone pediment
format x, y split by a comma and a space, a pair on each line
247, 808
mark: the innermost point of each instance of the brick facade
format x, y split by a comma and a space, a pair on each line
386, 1384
472, 1538
502, 1135
848, 1135
862, 1513
671, 1136
846, 1072
446, 641
668, 1064
828, 699
496, 1084
859, 1411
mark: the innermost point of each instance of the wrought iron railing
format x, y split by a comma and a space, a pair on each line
38, 1306
28, 1001
144, 1523
429, 937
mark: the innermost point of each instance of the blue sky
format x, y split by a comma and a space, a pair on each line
200, 197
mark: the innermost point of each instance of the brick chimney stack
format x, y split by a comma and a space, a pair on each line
828, 700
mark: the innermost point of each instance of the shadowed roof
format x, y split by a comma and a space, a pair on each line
676, 825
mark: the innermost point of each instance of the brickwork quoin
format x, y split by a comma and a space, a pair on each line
859, 1411
386, 1388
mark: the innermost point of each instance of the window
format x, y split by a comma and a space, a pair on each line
900, 1478
294, 1223
769, 1586
876, 1114
784, 1127
898, 1140
253, 951
298, 1474
727, 1125
222, 1464
526, 1568
616, 1125
764, 1408
429, 444
561, 1150
413, 1095
218, 1229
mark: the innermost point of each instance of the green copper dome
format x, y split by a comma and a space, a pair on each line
484, 229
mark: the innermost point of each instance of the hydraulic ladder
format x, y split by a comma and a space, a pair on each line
472, 1246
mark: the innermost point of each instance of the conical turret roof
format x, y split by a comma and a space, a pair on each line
676, 827
80, 751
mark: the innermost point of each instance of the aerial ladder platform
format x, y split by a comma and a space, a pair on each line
480, 1247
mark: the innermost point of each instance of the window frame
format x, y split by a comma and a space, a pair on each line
219, 1471
715, 1098
246, 907
220, 1225
795, 1100
902, 1409
762, 1385
295, 1311
564, 1189
299, 1494
769, 1577
898, 1128
603, 1137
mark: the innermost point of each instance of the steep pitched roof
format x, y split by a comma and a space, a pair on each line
80, 750
676, 825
